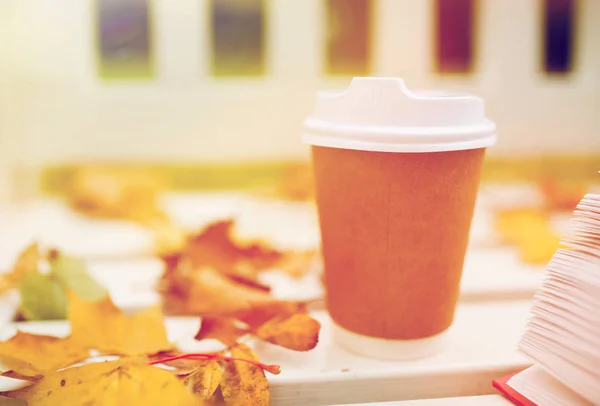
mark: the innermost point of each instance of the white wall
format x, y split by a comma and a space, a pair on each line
60, 111
5, 143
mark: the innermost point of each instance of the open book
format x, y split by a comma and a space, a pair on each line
562, 336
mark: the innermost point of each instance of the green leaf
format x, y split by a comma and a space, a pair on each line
42, 298
4, 401
71, 274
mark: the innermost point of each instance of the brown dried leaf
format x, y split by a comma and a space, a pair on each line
244, 383
224, 329
32, 354
205, 380
299, 332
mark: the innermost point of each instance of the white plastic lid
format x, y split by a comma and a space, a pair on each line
382, 114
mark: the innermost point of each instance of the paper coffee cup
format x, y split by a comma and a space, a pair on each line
396, 175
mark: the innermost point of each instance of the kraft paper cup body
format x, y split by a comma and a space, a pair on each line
395, 197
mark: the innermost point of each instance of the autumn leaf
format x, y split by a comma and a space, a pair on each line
103, 326
299, 332
230, 311
215, 247
218, 247
32, 354
204, 291
204, 381
224, 329
260, 313
539, 248
26, 262
42, 297
110, 192
511, 224
107, 383
244, 383
530, 231
71, 274
4, 401
218, 275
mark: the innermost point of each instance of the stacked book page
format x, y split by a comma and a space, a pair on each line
563, 334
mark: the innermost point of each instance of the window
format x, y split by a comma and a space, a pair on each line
124, 39
559, 21
348, 47
238, 37
454, 36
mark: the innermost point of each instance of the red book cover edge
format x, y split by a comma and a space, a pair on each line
509, 393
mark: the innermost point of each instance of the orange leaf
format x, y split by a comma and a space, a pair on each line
204, 381
103, 326
260, 313
204, 291
244, 383
108, 383
225, 329
215, 246
299, 332
31, 354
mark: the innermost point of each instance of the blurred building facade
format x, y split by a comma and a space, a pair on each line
232, 80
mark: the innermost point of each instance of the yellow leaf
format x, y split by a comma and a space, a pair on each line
103, 326
299, 332
26, 262
205, 380
244, 383
515, 225
110, 192
115, 383
531, 232
539, 248
31, 354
